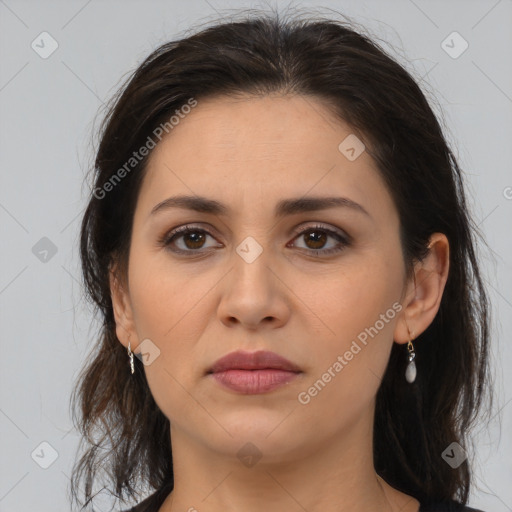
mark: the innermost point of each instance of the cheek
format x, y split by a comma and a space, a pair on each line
355, 312
164, 297
167, 310
344, 303
351, 354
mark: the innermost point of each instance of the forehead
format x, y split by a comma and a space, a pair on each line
259, 150
260, 126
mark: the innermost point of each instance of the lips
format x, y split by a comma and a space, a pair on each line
253, 372
261, 360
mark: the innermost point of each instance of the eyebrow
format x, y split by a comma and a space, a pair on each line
283, 208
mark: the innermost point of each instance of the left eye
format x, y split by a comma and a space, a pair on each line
318, 235
315, 237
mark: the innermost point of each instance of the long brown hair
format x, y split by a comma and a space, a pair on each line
127, 436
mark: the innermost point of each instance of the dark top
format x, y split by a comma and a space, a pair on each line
155, 501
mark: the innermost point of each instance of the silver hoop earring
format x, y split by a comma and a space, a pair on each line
130, 354
410, 372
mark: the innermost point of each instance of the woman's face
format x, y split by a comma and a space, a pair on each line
328, 300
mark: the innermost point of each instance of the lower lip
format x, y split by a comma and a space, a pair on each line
252, 382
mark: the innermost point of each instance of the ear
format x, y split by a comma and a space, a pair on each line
123, 313
424, 291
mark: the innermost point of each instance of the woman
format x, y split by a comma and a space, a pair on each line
278, 233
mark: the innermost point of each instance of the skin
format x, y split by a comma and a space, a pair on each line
249, 153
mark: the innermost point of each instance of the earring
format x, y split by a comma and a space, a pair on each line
410, 372
130, 354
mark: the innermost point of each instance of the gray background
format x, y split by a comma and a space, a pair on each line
48, 108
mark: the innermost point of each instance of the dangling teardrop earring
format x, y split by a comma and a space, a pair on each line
410, 372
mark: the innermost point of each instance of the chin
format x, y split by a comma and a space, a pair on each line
271, 436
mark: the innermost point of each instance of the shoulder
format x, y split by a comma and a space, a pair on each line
144, 506
152, 503
452, 506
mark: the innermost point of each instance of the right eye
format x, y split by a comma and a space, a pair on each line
192, 238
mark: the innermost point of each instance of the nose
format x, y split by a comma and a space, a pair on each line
253, 293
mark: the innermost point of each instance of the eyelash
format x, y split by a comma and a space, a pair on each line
168, 238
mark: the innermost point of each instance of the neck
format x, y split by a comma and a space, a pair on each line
337, 474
